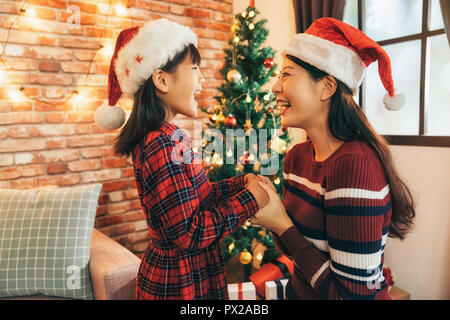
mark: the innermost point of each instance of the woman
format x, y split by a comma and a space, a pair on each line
342, 195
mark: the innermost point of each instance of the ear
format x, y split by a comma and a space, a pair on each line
329, 86
160, 80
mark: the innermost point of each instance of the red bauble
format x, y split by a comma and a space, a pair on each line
230, 121
244, 159
268, 63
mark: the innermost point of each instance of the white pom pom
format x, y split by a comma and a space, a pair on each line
394, 103
109, 118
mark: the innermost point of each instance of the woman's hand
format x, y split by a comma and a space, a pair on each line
273, 216
248, 178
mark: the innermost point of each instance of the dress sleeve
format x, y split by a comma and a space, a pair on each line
173, 200
228, 187
357, 201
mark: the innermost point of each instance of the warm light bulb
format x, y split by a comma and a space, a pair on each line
30, 12
259, 256
121, 10
229, 153
236, 39
276, 181
248, 99
251, 14
2, 77
251, 26
15, 94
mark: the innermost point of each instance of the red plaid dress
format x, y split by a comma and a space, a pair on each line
187, 217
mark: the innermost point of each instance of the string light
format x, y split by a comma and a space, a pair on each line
16, 95
121, 10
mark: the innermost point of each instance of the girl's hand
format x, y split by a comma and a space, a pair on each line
248, 178
273, 216
259, 193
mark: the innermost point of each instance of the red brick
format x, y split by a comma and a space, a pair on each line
122, 229
100, 175
56, 143
91, 152
115, 185
60, 4
84, 165
51, 79
62, 180
154, 6
73, 142
46, 130
81, 43
198, 13
23, 145
10, 173
114, 163
19, 132
35, 170
6, 160
24, 184
58, 155
57, 168
134, 216
24, 158
109, 220
128, 172
46, 53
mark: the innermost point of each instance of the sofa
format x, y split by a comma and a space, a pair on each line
113, 270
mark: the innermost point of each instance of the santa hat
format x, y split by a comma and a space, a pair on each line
139, 52
344, 52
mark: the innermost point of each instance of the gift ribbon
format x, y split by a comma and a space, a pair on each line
283, 268
240, 295
280, 293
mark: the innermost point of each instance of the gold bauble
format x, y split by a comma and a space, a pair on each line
234, 27
234, 76
220, 118
245, 257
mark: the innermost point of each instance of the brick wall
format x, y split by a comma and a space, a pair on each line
48, 135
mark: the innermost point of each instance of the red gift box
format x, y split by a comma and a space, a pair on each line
282, 267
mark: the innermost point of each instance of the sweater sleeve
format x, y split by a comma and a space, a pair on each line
175, 202
356, 202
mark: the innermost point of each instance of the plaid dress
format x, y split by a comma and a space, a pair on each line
187, 216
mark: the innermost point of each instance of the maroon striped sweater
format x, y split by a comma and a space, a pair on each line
341, 210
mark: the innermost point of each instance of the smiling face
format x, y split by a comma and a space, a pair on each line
299, 96
183, 85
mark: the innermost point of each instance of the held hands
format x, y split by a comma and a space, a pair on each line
272, 216
261, 196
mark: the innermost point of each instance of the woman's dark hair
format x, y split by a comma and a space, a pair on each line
148, 111
347, 122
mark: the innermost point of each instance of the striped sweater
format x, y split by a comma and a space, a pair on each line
341, 210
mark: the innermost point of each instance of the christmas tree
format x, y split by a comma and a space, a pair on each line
247, 116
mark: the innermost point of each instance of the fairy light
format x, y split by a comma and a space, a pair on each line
251, 14
16, 95
29, 12
236, 39
251, 26
121, 10
277, 181
259, 256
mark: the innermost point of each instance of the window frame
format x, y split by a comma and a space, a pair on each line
421, 139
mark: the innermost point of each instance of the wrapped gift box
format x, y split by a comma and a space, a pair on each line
276, 289
242, 291
282, 267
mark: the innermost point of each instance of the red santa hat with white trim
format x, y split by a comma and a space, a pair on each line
138, 53
344, 52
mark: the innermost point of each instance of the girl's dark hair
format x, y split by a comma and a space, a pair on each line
347, 122
148, 111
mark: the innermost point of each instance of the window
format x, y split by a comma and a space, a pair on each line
412, 33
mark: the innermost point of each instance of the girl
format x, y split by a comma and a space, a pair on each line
186, 214
342, 195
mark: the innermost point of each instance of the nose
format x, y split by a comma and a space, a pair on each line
202, 79
277, 87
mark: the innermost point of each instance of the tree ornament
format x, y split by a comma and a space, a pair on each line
248, 99
268, 63
278, 145
248, 124
245, 257
244, 159
234, 27
213, 118
230, 121
234, 76
231, 247
276, 73
220, 118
